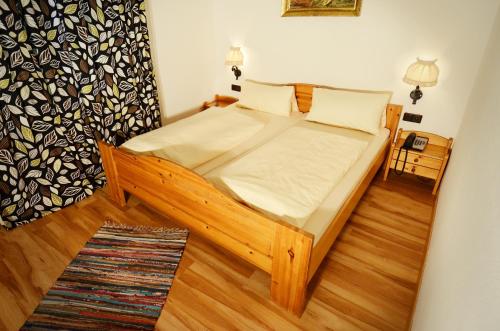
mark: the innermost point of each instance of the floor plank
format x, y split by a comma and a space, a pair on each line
368, 280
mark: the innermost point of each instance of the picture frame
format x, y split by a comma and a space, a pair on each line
321, 8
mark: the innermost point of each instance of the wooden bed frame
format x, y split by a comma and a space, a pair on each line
278, 248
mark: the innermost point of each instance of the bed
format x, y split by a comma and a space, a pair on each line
290, 252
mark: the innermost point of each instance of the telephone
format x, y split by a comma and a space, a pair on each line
415, 142
411, 142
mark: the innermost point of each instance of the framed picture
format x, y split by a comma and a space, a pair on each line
321, 7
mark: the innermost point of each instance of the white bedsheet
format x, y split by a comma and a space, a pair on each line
275, 125
200, 138
319, 221
290, 176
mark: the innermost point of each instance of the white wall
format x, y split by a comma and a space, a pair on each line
182, 38
461, 284
368, 52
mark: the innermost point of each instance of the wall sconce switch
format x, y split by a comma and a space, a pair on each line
415, 118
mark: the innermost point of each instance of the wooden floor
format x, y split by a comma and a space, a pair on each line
367, 282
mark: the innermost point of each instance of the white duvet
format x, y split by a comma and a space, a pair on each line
291, 175
199, 138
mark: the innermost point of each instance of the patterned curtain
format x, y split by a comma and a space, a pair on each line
71, 72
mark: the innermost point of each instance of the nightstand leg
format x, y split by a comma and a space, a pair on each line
438, 181
441, 172
434, 191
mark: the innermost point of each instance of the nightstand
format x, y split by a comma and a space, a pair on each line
429, 163
219, 101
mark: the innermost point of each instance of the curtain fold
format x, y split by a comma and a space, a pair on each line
71, 72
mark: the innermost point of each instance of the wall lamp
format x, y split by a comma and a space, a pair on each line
421, 73
235, 58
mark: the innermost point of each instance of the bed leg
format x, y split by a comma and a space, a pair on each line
114, 191
292, 253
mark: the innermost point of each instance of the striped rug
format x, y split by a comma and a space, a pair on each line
119, 281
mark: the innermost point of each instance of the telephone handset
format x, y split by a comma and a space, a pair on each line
411, 142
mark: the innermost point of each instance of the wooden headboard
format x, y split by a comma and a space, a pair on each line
304, 95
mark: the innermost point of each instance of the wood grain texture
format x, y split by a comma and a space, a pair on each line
420, 159
429, 163
115, 192
182, 194
367, 281
392, 121
189, 198
291, 258
219, 101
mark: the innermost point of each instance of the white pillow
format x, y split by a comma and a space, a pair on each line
267, 98
349, 109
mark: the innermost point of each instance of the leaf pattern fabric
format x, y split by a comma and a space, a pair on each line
71, 72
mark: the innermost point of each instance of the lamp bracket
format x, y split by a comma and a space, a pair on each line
237, 72
416, 95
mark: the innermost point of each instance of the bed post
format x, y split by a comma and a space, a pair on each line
115, 192
291, 257
393, 116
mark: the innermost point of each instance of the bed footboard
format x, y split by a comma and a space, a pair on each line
277, 248
189, 198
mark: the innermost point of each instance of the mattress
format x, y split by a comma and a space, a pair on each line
196, 140
328, 163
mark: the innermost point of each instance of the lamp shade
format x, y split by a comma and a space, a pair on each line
422, 73
234, 57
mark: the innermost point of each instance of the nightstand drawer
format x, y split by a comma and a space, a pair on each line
418, 159
418, 170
